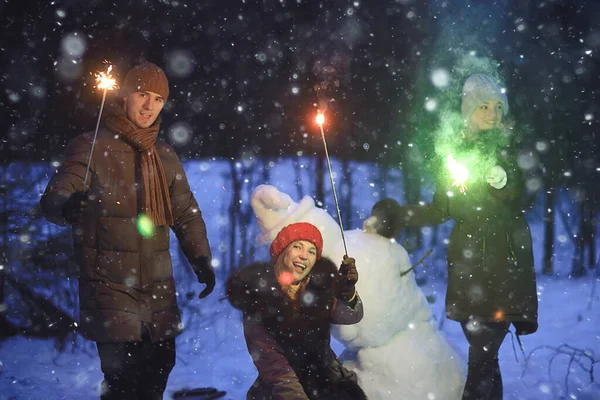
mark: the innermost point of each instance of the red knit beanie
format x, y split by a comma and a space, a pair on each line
294, 232
146, 77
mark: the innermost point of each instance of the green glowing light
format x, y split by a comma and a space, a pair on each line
145, 226
458, 172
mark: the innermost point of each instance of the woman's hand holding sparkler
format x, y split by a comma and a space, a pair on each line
496, 177
345, 280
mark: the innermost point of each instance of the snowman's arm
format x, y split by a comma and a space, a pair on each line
271, 363
347, 312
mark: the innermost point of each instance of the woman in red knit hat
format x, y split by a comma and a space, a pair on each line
288, 307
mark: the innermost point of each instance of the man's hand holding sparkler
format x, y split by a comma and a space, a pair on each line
74, 207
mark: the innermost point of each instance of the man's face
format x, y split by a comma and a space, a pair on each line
142, 108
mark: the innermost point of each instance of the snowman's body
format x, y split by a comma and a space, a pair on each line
396, 350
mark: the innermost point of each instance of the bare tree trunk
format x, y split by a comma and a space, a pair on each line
319, 182
6, 327
347, 182
245, 215
548, 232
4, 248
265, 177
234, 209
384, 172
412, 190
577, 267
588, 234
592, 235
299, 188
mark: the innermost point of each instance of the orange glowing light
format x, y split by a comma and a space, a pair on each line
499, 315
320, 119
105, 80
285, 278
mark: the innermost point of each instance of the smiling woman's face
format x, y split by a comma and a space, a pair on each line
299, 258
487, 116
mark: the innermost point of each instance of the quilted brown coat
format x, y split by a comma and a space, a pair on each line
125, 279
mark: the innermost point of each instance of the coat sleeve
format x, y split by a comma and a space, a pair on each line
252, 289
239, 293
189, 226
496, 204
270, 361
347, 313
67, 179
434, 213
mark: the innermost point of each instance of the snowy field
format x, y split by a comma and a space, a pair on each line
216, 355
212, 351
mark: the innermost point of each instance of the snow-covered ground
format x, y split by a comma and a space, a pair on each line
215, 355
212, 352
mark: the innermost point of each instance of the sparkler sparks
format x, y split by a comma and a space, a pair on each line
458, 172
106, 82
320, 119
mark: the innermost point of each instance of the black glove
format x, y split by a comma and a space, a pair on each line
74, 207
346, 278
205, 274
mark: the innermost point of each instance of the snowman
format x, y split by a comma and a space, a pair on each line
396, 350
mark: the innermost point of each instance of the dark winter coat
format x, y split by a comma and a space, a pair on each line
125, 279
490, 258
290, 343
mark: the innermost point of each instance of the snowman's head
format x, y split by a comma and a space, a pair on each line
391, 302
275, 210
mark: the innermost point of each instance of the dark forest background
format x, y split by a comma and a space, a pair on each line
244, 79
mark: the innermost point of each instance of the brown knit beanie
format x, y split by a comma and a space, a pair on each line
146, 77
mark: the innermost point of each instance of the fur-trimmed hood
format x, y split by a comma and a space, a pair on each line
254, 288
294, 336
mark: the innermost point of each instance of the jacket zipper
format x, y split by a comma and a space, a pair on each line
138, 183
484, 255
512, 252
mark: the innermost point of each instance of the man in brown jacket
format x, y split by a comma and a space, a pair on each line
136, 189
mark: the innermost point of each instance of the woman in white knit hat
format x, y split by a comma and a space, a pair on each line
491, 279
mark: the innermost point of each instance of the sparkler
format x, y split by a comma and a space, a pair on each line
458, 172
106, 82
320, 119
